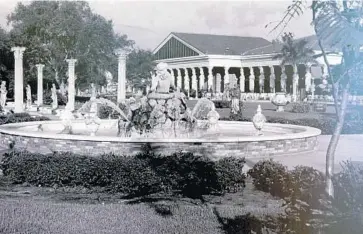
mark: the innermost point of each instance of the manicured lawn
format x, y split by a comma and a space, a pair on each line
41, 210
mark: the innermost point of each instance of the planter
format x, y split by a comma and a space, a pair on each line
280, 101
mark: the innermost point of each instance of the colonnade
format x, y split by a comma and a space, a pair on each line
187, 78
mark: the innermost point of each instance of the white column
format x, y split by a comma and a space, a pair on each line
261, 80
121, 81
186, 79
242, 80
218, 82
283, 79
179, 78
201, 78
272, 79
210, 78
194, 80
40, 84
71, 83
252, 80
172, 75
226, 76
19, 79
295, 83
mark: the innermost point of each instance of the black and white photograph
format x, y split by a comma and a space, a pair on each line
181, 117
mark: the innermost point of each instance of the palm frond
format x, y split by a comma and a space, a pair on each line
292, 11
335, 26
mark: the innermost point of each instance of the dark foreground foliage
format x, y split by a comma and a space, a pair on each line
308, 209
140, 175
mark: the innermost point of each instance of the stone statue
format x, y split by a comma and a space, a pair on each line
162, 82
3, 94
235, 95
259, 120
62, 88
213, 117
54, 97
93, 91
283, 82
67, 117
28, 96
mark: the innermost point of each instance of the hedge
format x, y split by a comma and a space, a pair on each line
140, 175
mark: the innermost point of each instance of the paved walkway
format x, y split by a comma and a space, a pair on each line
350, 147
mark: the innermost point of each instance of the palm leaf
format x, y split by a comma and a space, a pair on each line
336, 27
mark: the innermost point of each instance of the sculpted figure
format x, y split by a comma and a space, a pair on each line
162, 82
3, 94
54, 97
28, 96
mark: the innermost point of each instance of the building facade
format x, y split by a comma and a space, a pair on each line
214, 62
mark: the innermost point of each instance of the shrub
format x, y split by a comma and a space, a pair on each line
146, 173
300, 108
307, 185
272, 177
219, 104
20, 117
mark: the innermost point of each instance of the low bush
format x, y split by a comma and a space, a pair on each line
20, 117
271, 177
219, 104
300, 108
143, 174
308, 209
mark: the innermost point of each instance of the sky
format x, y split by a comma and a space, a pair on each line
149, 22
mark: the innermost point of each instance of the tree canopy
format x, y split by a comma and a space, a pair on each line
55, 31
294, 51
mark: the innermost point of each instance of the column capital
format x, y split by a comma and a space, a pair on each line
121, 54
40, 66
201, 70
18, 52
71, 61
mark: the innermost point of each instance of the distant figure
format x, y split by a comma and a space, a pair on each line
54, 97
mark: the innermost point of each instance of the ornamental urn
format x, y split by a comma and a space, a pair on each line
259, 120
280, 101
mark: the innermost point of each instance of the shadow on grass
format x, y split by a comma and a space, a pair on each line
241, 224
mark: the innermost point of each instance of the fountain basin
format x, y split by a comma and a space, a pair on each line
233, 138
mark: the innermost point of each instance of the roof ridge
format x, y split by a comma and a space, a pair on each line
210, 34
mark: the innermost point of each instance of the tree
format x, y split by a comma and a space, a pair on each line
138, 67
338, 24
53, 31
295, 52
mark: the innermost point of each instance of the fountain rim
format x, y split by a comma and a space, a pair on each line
307, 132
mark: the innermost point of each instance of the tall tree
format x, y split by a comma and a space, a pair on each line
336, 23
53, 31
295, 52
139, 65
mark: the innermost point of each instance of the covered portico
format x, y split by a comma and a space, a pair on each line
253, 69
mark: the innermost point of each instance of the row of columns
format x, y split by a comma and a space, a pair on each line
242, 77
19, 80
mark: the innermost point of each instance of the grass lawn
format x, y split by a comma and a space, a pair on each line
25, 209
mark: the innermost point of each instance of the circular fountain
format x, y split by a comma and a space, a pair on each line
163, 120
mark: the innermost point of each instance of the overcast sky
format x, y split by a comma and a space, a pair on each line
149, 22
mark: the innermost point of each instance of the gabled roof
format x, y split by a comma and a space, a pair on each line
314, 44
222, 44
